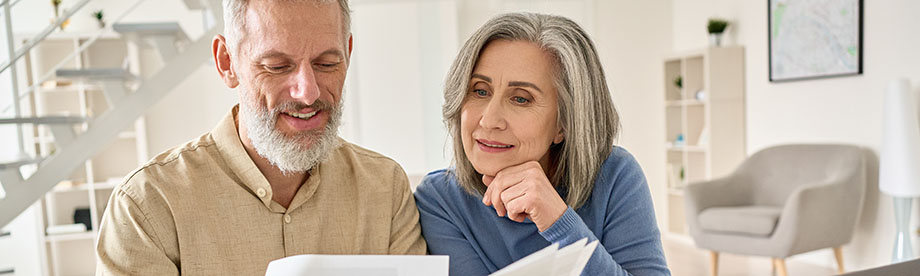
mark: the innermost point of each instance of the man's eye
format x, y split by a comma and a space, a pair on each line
278, 68
326, 66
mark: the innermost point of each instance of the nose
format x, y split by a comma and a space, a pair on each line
493, 115
305, 88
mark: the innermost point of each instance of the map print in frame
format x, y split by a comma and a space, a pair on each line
814, 38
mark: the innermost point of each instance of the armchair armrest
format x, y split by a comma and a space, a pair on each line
726, 191
717, 192
819, 216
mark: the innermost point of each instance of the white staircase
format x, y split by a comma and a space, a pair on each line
128, 97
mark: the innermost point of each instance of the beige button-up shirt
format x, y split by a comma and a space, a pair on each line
204, 208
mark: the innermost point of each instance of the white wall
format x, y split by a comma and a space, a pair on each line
393, 94
635, 37
834, 110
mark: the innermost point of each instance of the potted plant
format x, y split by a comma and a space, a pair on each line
98, 15
57, 5
716, 26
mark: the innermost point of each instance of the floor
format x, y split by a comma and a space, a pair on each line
684, 259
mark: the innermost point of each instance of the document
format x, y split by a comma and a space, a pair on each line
549, 261
552, 261
359, 265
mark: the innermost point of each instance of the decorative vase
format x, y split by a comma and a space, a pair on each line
715, 39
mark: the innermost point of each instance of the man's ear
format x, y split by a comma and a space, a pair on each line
222, 60
350, 45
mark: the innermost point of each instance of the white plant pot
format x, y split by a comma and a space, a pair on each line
715, 39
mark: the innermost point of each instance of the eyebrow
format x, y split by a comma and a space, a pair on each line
271, 54
478, 76
510, 83
524, 84
278, 54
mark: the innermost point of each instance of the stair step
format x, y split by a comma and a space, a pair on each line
46, 120
19, 163
95, 73
152, 29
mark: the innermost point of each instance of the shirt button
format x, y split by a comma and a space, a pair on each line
287, 218
260, 192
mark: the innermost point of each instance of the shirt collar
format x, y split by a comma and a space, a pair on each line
227, 138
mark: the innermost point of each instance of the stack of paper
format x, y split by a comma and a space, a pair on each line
359, 265
568, 261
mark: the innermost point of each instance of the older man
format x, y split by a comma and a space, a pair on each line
272, 179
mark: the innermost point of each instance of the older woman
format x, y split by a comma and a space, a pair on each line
533, 127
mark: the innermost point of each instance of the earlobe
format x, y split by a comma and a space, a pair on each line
222, 61
559, 138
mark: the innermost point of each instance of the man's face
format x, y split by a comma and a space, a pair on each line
291, 66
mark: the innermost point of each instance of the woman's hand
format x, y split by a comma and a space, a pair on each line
523, 191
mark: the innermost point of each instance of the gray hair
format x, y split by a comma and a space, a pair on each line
586, 113
235, 23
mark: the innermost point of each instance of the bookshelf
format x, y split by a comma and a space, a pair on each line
71, 251
704, 122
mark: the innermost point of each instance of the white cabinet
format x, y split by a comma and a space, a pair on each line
704, 121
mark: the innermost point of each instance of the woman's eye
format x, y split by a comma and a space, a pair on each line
520, 100
480, 92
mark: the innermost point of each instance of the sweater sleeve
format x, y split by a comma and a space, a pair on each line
442, 235
630, 242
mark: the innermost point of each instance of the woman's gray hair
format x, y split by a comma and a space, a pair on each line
586, 113
235, 23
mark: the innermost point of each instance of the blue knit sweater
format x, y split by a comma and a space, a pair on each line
619, 212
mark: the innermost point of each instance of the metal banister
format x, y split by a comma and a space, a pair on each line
42, 35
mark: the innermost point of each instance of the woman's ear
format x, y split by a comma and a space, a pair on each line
559, 138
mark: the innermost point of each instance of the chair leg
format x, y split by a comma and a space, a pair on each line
773, 268
838, 252
780, 265
714, 263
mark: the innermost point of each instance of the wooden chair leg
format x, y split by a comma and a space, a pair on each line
780, 265
838, 253
714, 263
773, 268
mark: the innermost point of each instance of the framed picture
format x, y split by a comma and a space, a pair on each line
811, 39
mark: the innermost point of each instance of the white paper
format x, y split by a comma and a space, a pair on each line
552, 261
359, 265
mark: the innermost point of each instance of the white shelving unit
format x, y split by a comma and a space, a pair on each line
88, 188
710, 126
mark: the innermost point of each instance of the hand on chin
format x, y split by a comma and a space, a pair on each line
523, 191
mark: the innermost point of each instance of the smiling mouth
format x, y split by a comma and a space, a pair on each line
304, 116
494, 144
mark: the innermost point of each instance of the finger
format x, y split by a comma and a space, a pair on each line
526, 166
486, 198
486, 179
517, 209
499, 184
512, 193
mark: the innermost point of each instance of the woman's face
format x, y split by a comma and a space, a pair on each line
509, 112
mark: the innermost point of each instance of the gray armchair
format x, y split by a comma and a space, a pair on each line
780, 202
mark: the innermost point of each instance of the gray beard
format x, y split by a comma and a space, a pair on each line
296, 153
